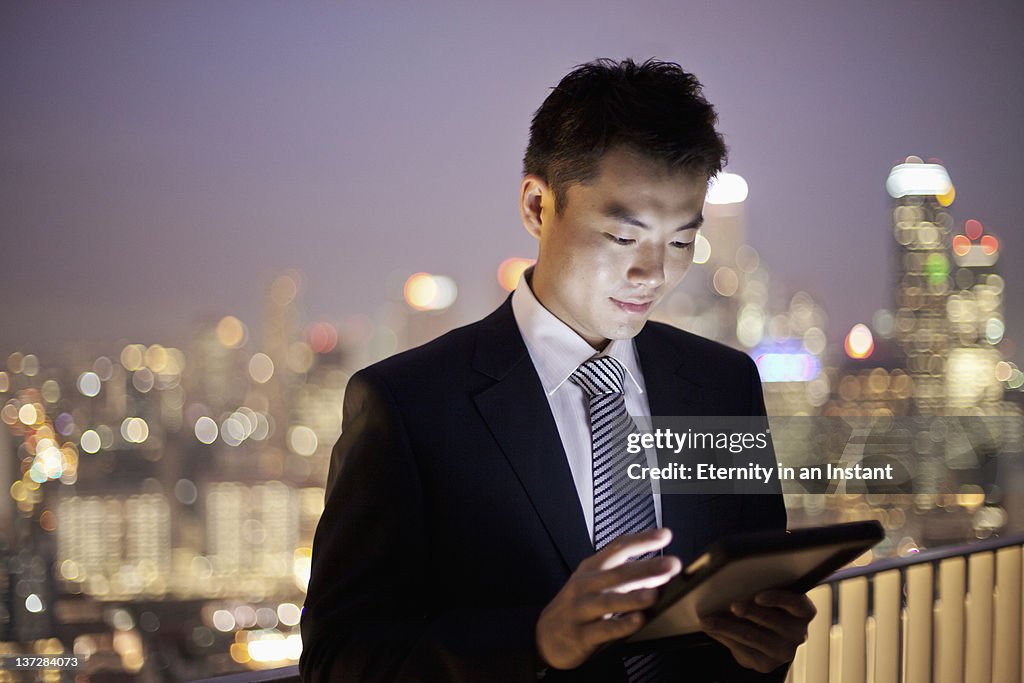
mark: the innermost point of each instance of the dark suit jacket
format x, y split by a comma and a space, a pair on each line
451, 518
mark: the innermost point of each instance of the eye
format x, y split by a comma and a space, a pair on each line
682, 245
622, 241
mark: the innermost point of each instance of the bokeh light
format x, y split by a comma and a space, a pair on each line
30, 365
725, 281
261, 368
134, 430
859, 342
701, 249
14, 362
917, 179
973, 229
132, 357
814, 341
34, 604
937, 267
50, 391
231, 332
143, 380
511, 269
302, 440
284, 288
323, 337
994, 330
28, 415
89, 384
420, 291
103, 367
426, 292
206, 430
90, 441
186, 492
1003, 371
289, 613
726, 188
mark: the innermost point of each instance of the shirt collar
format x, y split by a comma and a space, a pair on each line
555, 348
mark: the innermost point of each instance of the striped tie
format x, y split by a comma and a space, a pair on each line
621, 505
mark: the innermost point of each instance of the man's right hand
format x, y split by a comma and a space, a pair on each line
578, 621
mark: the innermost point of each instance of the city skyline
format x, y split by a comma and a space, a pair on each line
154, 485
162, 164
211, 211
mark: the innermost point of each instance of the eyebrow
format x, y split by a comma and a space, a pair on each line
621, 213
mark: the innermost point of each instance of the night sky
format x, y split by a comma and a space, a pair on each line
159, 163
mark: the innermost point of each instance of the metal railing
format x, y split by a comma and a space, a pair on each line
943, 615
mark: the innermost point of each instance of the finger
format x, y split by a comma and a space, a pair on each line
602, 604
649, 573
746, 656
599, 632
797, 604
627, 546
793, 629
751, 635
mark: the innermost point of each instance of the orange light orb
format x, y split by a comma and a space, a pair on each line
961, 245
859, 342
420, 291
511, 269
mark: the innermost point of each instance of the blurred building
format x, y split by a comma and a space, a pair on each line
922, 230
975, 312
161, 503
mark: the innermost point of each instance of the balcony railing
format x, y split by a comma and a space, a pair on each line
943, 615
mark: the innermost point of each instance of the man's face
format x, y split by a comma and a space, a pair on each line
624, 240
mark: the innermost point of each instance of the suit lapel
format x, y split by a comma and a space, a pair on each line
518, 415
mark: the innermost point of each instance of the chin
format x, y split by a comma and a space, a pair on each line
625, 331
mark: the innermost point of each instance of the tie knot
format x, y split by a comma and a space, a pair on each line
603, 375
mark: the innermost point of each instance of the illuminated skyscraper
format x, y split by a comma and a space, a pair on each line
975, 312
922, 230
251, 535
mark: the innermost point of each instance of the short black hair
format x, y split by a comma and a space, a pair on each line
655, 108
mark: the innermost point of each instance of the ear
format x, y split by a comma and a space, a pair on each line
534, 197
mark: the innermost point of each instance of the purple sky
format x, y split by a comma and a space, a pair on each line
159, 162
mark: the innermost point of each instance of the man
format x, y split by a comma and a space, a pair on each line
467, 532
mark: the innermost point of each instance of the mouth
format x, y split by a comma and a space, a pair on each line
633, 306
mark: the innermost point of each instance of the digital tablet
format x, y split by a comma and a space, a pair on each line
736, 568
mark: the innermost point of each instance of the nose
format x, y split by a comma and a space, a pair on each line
648, 269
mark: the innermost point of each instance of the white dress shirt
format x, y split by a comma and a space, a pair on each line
557, 351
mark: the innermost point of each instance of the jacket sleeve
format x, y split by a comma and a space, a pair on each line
367, 613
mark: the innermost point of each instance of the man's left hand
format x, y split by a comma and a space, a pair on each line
764, 633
